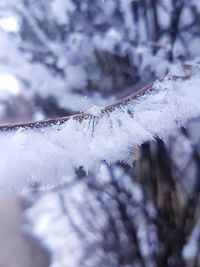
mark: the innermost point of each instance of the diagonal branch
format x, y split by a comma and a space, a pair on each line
81, 116
52, 150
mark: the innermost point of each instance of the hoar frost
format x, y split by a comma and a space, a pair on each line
51, 154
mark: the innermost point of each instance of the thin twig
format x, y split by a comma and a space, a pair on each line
81, 116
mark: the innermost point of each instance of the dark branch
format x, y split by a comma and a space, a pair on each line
80, 116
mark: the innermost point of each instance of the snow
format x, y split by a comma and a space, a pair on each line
9, 24
190, 249
52, 154
9, 84
64, 229
72, 222
95, 110
86, 49
60, 10
73, 65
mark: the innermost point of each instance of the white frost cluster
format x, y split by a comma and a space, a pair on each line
60, 10
190, 250
51, 154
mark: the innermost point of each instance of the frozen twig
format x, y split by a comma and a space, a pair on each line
51, 150
81, 116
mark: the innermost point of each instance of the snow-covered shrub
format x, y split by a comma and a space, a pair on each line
82, 55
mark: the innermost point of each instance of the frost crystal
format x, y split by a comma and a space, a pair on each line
53, 153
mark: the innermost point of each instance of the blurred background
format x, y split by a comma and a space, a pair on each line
61, 57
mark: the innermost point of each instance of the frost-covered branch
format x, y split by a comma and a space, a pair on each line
82, 141
96, 111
